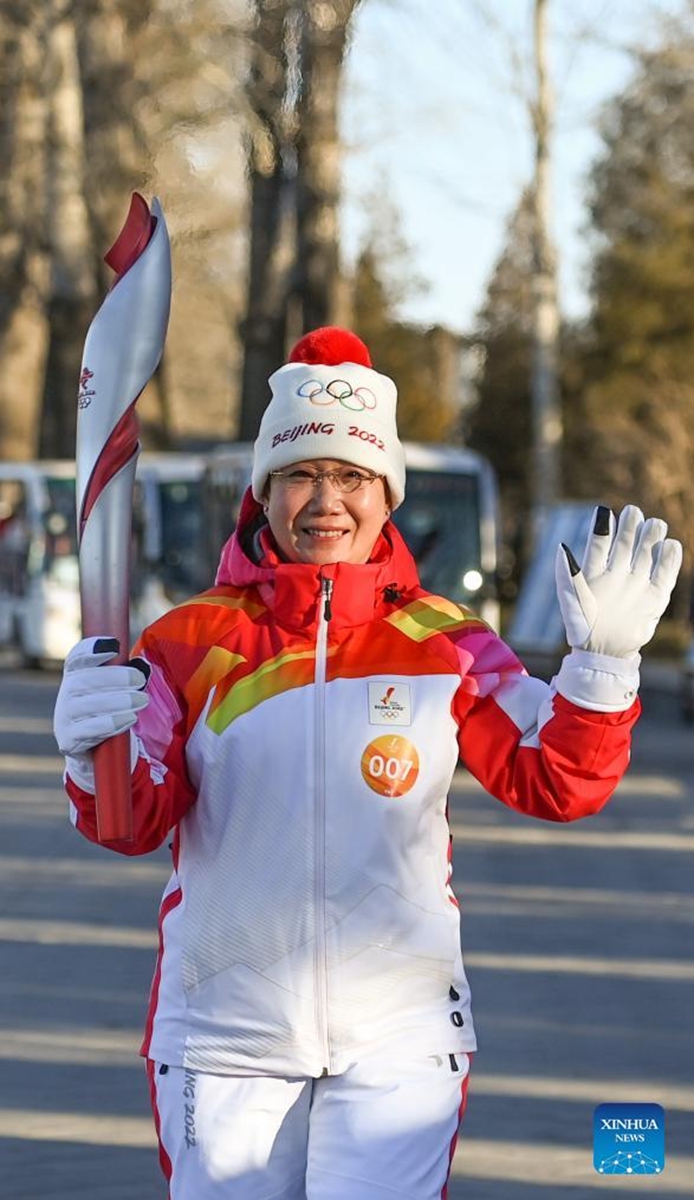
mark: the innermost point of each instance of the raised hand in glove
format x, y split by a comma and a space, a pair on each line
612, 602
93, 705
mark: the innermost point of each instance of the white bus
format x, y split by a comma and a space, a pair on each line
39, 583
449, 517
39, 575
169, 560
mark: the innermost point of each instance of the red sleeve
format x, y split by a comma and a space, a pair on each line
529, 746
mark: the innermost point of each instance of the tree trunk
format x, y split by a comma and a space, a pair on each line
324, 40
24, 31
271, 249
546, 410
73, 288
294, 166
117, 161
116, 155
264, 329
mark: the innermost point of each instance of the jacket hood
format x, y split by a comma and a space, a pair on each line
292, 590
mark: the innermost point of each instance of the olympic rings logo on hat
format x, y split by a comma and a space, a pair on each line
355, 399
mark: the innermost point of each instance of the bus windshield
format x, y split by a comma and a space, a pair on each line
60, 526
440, 521
183, 570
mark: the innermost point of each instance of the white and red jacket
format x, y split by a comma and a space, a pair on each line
303, 729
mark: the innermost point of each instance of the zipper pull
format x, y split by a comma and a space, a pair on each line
327, 586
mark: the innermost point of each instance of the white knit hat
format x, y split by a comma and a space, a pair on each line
328, 402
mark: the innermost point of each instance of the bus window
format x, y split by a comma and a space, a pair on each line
227, 475
39, 595
440, 521
60, 525
182, 560
169, 530
14, 536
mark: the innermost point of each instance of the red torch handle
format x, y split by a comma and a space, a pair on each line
114, 814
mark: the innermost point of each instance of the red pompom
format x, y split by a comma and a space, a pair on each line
330, 346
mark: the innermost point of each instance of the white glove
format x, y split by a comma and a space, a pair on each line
93, 705
611, 604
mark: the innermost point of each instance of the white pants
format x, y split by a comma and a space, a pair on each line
384, 1130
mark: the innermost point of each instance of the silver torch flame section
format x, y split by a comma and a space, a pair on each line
122, 350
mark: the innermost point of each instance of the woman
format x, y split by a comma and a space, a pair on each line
309, 1032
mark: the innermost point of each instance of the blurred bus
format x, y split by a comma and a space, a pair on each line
39, 574
39, 579
169, 561
448, 518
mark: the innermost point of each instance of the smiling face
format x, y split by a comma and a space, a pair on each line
319, 524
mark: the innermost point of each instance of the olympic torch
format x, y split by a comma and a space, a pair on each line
122, 349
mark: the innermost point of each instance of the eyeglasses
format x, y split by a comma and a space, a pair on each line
344, 480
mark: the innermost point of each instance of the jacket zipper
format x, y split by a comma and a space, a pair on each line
321, 972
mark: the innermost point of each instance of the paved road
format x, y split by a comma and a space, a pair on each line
579, 944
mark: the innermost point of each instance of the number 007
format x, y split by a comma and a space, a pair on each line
392, 768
